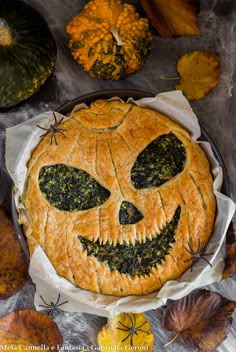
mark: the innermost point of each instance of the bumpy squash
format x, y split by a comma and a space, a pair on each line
109, 39
27, 52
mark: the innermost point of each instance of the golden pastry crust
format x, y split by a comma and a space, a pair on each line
105, 140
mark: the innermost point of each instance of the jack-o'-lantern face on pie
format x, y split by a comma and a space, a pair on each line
116, 202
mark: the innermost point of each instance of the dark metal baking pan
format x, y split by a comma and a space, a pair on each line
124, 94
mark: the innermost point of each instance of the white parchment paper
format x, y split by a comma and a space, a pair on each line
20, 142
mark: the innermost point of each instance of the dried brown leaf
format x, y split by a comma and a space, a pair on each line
27, 328
173, 18
200, 73
203, 318
13, 262
230, 255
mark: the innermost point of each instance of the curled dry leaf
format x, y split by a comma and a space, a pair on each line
230, 255
203, 318
199, 72
27, 328
13, 263
126, 331
173, 18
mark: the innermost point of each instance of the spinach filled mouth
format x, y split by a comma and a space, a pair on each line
138, 259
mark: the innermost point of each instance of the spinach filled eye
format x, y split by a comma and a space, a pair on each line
159, 162
70, 189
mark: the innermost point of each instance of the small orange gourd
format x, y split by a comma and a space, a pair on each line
109, 39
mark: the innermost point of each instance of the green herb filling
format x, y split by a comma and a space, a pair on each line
159, 162
129, 214
138, 259
70, 189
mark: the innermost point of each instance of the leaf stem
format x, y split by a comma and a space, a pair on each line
172, 340
169, 78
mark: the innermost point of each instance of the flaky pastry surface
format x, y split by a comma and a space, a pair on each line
105, 140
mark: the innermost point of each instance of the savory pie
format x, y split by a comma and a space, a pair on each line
121, 199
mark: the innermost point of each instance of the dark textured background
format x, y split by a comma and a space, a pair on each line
216, 113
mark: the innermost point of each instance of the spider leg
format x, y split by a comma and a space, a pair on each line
147, 332
188, 260
58, 123
54, 115
207, 261
58, 299
189, 251
58, 131
127, 337
40, 305
131, 340
194, 261
61, 129
42, 135
127, 327
48, 305
202, 247
58, 310
42, 128
191, 248
141, 325
55, 138
204, 254
50, 312
58, 305
122, 329
199, 247
132, 323
51, 139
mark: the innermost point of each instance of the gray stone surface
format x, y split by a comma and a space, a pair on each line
216, 113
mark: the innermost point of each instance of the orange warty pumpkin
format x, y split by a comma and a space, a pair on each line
109, 39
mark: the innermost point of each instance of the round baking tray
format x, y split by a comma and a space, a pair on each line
124, 94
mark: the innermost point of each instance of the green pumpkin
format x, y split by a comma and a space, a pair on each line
27, 52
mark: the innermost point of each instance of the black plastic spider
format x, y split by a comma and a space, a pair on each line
53, 129
197, 255
53, 307
133, 329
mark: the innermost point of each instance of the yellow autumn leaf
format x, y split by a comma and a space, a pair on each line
199, 73
173, 18
126, 331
